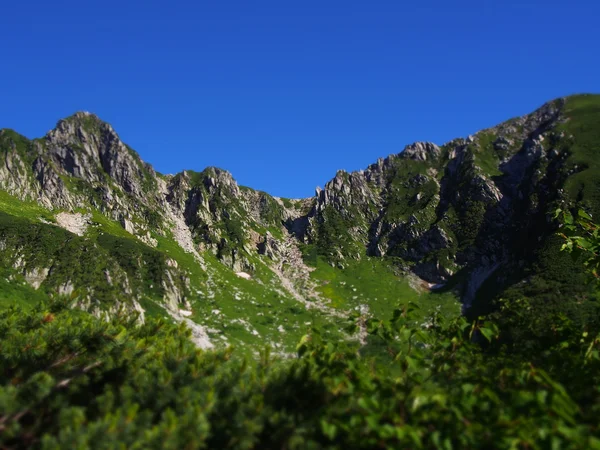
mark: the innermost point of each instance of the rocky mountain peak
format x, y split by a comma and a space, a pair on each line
80, 125
218, 177
212, 179
85, 147
421, 151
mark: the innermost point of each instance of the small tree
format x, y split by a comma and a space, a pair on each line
582, 239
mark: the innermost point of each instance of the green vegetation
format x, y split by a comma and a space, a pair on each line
334, 239
407, 196
379, 285
11, 140
146, 268
14, 290
581, 141
29, 210
566, 176
581, 239
70, 380
486, 156
74, 260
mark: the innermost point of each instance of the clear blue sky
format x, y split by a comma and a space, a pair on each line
282, 93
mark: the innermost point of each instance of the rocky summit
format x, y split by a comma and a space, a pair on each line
445, 226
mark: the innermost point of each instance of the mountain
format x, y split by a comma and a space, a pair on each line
475, 214
82, 215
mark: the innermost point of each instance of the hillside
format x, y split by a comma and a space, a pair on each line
471, 220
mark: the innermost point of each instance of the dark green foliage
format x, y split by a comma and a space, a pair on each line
105, 270
146, 267
567, 175
333, 239
69, 258
553, 280
582, 141
471, 218
234, 230
153, 219
582, 239
401, 198
11, 140
69, 380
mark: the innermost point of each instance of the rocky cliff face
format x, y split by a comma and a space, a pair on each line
463, 213
91, 182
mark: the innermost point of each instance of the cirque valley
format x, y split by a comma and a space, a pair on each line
445, 226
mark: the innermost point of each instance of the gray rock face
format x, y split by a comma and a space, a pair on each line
421, 151
270, 247
13, 173
51, 189
347, 190
87, 148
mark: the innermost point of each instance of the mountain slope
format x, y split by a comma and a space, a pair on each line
84, 216
475, 213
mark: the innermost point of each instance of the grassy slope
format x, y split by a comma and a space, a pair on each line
250, 312
373, 282
14, 290
548, 276
584, 119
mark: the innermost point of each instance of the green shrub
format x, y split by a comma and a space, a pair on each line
69, 380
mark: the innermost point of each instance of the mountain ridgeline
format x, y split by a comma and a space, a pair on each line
82, 215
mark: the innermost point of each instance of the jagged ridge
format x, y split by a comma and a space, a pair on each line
472, 214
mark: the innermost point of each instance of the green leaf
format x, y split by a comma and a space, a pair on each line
328, 429
488, 333
581, 213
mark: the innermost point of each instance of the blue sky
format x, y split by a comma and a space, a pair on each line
281, 93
